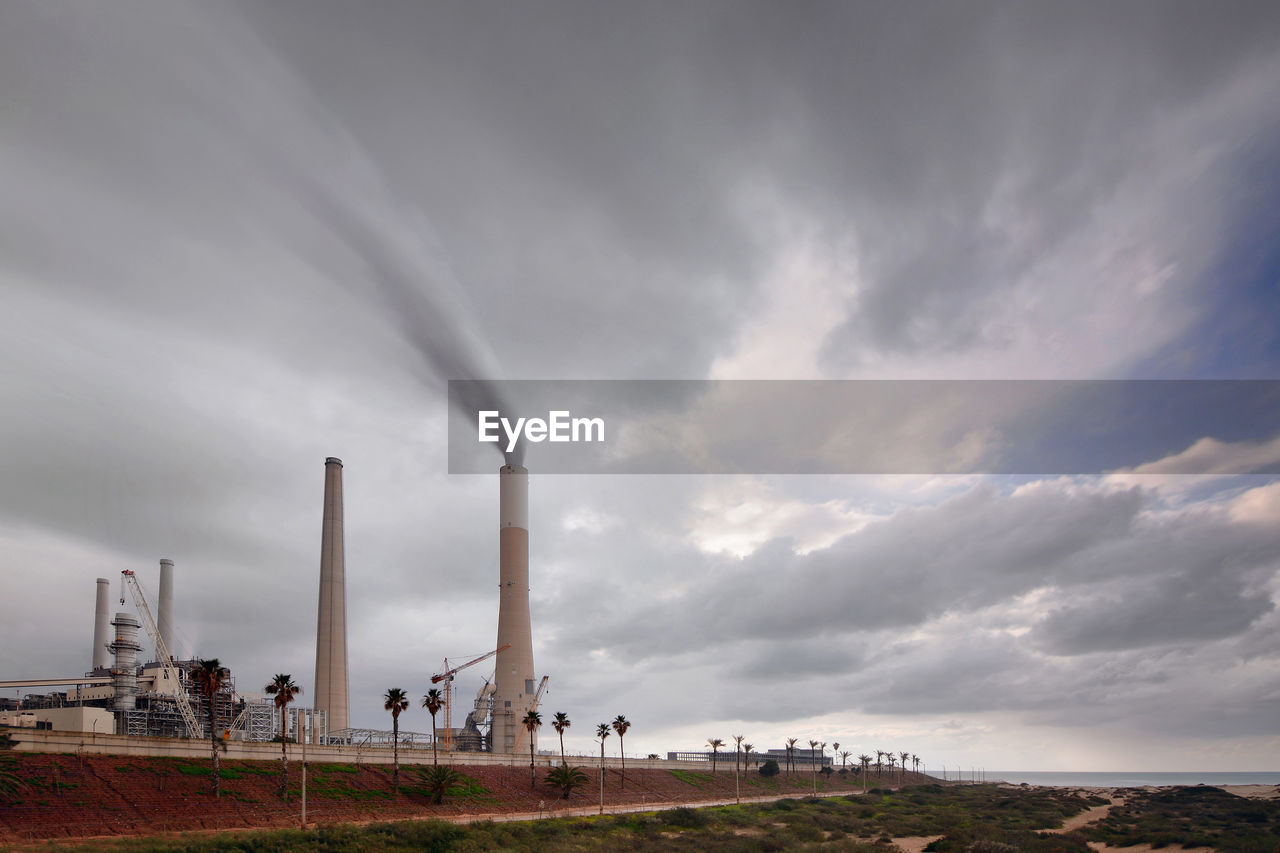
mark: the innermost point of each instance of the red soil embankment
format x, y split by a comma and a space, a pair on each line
69, 796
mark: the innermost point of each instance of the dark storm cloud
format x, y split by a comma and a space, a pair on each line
1200, 605
987, 145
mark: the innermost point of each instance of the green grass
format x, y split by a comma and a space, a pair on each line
697, 780
335, 768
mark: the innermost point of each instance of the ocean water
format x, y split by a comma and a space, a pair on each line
1127, 780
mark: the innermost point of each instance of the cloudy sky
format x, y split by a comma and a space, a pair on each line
238, 238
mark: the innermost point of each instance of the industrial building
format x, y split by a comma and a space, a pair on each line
124, 692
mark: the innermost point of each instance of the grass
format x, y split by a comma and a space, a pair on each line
1192, 817
969, 819
697, 780
981, 819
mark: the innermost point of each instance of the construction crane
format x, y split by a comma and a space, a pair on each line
447, 678
537, 697
128, 579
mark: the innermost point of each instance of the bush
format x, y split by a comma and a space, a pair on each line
769, 768
564, 779
439, 780
683, 817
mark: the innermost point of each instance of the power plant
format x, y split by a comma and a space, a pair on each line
126, 693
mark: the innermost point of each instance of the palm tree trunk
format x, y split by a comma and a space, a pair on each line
623, 780
562, 761
435, 759
213, 746
284, 756
533, 782
395, 753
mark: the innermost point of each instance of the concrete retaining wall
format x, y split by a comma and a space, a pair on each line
30, 740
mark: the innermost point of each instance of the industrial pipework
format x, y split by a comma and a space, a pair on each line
125, 671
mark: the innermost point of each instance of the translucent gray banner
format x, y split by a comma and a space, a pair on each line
1029, 427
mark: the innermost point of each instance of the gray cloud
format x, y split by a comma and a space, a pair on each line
204, 206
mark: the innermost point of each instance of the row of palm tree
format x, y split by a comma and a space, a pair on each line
533, 721
744, 750
210, 676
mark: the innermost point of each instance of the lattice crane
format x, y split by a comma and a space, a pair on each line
130, 580
537, 697
447, 678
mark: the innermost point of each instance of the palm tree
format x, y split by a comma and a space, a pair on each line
844, 758
210, 675
737, 750
813, 747
620, 725
893, 760
715, 743
532, 722
433, 702
746, 756
879, 754
395, 701
903, 756
602, 732
864, 760
791, 749
285, 691
915, 762
560, 723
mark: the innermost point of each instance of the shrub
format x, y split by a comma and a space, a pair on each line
683, 817
564, 779
769, 768
439, 780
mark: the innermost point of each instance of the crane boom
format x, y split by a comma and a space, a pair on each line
129, 579
447, 678
436, 679
537, 697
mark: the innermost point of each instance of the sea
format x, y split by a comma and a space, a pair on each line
1124, 780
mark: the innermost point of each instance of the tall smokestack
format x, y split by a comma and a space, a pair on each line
102, 626
514, 687
332, 693
165, 618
